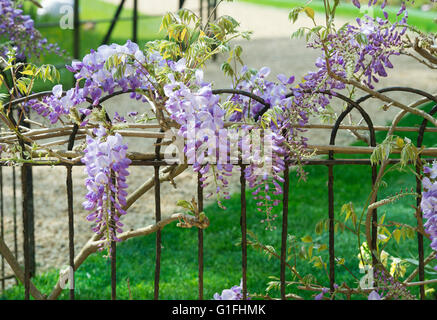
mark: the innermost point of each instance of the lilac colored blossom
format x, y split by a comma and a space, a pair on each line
374, 296
202, 118
363, 50
106, 166
98, 81
56, 105
387, 287
356, 3
321, 294
234, 293
20, 32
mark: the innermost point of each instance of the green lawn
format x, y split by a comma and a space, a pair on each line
424, 20
308, 205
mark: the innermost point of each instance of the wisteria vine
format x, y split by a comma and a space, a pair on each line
205, 119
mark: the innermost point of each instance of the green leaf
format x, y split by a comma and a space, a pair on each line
310, 251
27, 72
322, 247
294, 14
310, 12
319, 227
397, 235
185, 204
307, 239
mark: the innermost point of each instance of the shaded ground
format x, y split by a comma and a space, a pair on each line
271, 46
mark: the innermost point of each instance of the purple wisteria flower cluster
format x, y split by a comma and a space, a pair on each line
21, 33
387, 288
234, 293
361, 52
196, 109
429, 203
98, 79
281, 138
57, 105
107, 168
202, 118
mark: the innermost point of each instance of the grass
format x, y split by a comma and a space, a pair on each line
308, 204
424, 20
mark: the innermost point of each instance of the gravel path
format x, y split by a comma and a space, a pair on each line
271, 46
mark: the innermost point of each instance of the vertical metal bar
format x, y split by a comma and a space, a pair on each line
214, 18
24, 187
200, 236
2, 228
113, 270
374, 217
14, 212
215, 9
208, 8
71, 215
27, 213
181, 4
71, 279
113, 22
284, 229
243, 224
76, 30
113, 245
201, 9
135, 22
374, 212
158, 233
331, 227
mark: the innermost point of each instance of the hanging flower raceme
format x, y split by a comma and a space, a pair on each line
190, 102
98, 80
360, 52
196, 109
126, 71
429, 203
20, 31
107, 168
56, 105
202, 116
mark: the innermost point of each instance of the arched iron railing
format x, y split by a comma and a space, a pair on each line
155, 160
